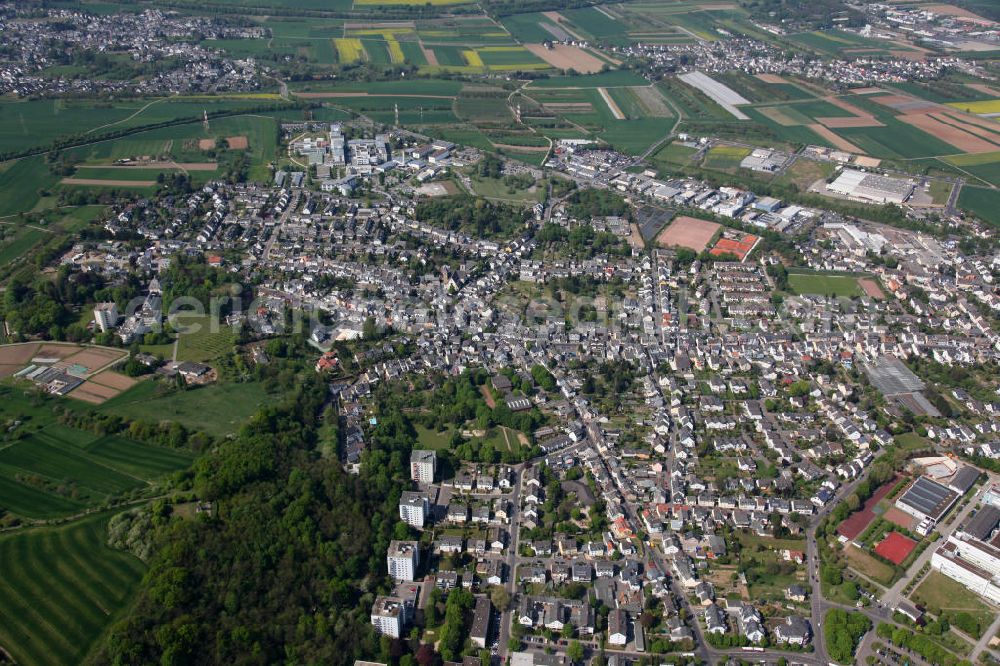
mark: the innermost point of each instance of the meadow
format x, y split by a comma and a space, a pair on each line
203, 341
62, 587
724, 158
217, 409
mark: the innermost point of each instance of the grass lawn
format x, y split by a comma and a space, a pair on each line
824, 284
750, 540
431, 439
217, 409
494, 188
911, 441
940, 593
868, 566
61, 588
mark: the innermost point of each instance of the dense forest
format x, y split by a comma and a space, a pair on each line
287, 566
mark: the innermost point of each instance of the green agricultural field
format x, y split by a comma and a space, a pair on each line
21, 183
598, 25
528, 27
982, 203
217, 409
62, 587
985, 166
510, 58
204, 339
18, 240
604, 80
483, 108
896, 139
824, 284
59, 470
843, 44
635, 136
36, 124
435, 87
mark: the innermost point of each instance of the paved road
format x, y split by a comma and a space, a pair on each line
507, 618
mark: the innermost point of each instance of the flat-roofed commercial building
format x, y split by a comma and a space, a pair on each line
927, 499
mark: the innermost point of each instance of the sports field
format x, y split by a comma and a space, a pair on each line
824, 284
688, 232
62, 587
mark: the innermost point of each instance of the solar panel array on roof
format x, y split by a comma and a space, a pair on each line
927, 498
981, 525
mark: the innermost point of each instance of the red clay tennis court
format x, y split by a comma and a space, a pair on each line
740, 247
895, 547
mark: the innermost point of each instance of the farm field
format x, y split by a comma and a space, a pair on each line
985, 166
611, 79
824, 284
20, 183
36, 124
840, 43
201, 408
62, 587
57, 470
982, 203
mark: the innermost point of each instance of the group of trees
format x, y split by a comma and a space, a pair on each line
169, 434
919, 643
476, 216
293, 539
581, 241
843, 632
590, 202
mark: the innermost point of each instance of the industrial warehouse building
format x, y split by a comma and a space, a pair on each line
871, 187
927, 499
